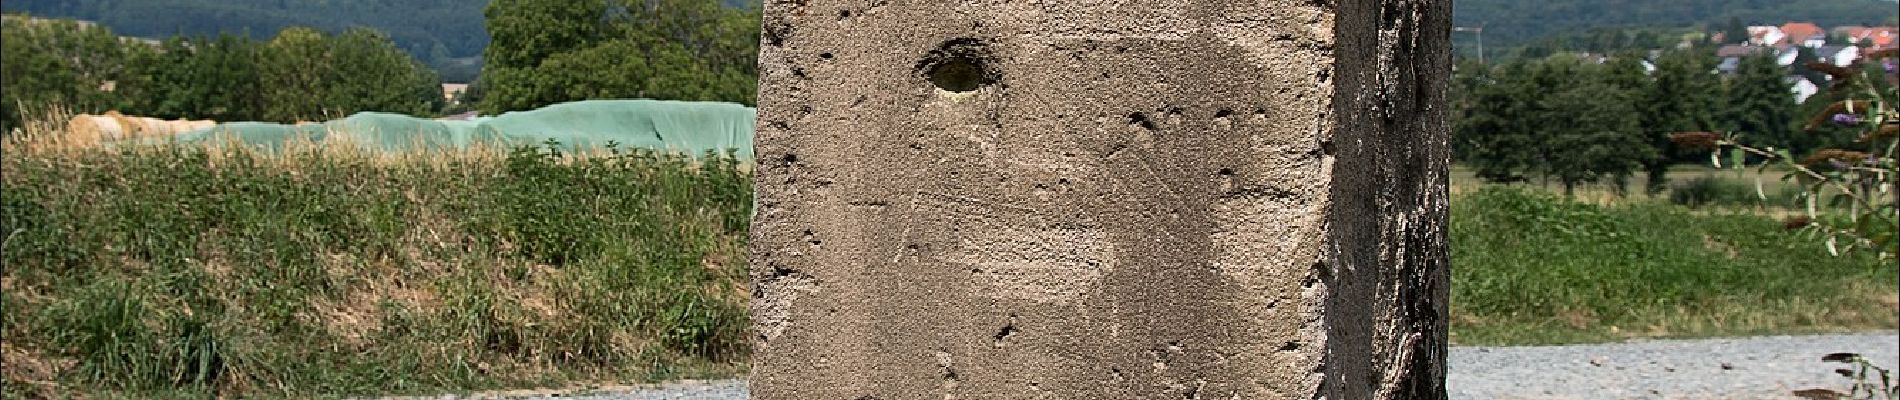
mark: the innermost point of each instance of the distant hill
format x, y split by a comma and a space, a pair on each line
1512, 22
446, 34
429, 29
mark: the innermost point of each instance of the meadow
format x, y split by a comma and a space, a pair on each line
188, 272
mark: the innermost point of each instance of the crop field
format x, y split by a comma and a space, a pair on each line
185, 272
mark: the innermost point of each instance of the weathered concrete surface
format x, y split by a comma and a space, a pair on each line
1101, 200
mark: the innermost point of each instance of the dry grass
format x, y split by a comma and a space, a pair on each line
324, 269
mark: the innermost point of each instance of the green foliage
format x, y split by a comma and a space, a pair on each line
1593, 131
302, 75
1683, 97
1859, 176
1561, 117
1535, 268
1493, 125
197, 273
309, 76
546, 52
1715, 191
1760, 103
198, 78
45, 63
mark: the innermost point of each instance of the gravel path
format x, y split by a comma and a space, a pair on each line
1743, 368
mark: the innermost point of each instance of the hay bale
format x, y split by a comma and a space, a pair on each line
92, 129
113, 126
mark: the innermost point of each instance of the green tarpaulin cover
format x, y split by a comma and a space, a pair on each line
674, 126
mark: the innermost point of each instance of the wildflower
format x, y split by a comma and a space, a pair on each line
1696, 140
1843, 106
1845, 119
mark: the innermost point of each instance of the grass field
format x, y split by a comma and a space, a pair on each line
184, 273
1530, 267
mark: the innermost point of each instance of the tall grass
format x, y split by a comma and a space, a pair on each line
1531, 267
182, 271
315, 271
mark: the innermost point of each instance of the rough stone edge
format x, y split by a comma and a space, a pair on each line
1387, 239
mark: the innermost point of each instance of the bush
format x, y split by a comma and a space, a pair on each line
1706, 190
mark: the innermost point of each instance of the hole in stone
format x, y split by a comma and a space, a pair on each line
844, 14
790, 158
1224, 113
1009, 329
1290, 346
1141, 119
1226, 172
826, 56
958, 75
959, 66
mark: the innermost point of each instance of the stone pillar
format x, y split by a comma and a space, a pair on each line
1101, 200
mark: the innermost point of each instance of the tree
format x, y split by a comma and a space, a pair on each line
1681, 97
370, 74
522, 34
1560, 118
55, 63
1493, 125
1627, 74
1734, 31
1760, 103
544, 52
196, 78
294, 78
308, 76
1600, 135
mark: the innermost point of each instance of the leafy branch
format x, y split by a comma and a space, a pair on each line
1863, 181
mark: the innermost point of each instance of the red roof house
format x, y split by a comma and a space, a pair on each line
1882, 36
1799, 32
